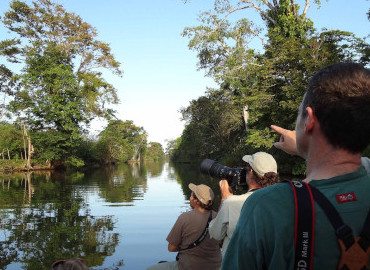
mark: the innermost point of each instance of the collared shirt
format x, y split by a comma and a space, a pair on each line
264, 235
223, 226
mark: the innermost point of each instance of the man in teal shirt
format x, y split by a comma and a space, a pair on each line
332, 130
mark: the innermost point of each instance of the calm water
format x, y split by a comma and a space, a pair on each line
114, 218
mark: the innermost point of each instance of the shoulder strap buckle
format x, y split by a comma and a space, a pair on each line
345, 233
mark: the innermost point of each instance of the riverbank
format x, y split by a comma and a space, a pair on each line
15, 165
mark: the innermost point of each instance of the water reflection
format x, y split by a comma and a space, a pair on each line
190, 173
114, 218
44, 218
119, 183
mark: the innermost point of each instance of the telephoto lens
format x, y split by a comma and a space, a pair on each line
235, 177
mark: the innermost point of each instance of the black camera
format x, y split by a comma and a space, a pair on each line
236, 177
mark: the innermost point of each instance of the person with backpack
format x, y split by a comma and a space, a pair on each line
190, 238
288, 225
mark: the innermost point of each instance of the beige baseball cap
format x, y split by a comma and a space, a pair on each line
261, 163
204, 193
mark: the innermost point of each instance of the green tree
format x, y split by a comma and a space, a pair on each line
121, 141
269, 82
11, 141
60, 87
214, 127
172, 146
154, 152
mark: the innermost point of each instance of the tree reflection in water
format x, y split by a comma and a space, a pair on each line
190, 173
45, 217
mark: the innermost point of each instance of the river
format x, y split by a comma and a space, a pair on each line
114, 217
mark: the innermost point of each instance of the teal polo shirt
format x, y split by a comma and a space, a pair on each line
264, 235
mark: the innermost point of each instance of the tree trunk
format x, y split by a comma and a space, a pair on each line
30, 147
30, 152
24, 142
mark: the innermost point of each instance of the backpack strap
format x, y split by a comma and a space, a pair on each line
202, 236
355, 251
304, 225
343, 231
199, 240
364, 242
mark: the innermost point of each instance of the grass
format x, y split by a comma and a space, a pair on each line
12, 165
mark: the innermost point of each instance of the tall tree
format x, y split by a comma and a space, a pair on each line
270, 81
60, 85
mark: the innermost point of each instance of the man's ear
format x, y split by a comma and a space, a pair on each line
310, 120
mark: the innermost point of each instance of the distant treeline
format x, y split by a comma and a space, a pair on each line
119, 142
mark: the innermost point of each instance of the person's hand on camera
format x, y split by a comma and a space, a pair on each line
225, 189
287, 141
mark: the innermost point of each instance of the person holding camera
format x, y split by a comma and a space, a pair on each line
261, 171
190, 238
332, 130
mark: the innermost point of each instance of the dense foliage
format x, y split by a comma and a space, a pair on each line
11, 142
54, 78
257, 88
53, 83
121, 141
154, 152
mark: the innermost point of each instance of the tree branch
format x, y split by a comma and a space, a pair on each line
293, 8
306, 8
267, 3
263, 13
223, 45
257, 35
230, 12
241, 8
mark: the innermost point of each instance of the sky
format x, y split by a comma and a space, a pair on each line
160, 72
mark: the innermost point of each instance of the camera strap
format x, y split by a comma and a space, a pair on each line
355, 251
200, 239
304, 225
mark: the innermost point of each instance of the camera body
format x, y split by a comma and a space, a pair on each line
236, 177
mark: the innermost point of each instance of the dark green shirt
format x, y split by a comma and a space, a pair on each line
264, 235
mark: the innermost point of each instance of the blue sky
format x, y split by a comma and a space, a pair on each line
160, 73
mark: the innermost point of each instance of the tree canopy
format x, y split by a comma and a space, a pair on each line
269, 82
57, 83
154, 152
121, 141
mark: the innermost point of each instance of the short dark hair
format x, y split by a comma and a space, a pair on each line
339, 95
